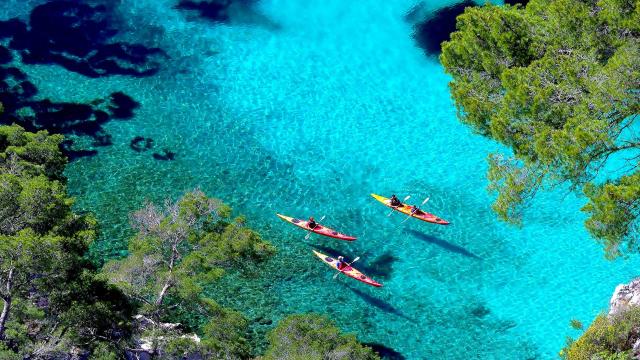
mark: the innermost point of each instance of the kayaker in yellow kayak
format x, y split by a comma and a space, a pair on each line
341, 264
312, 223
393, 201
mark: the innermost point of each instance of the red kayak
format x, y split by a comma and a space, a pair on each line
347, 270
319, 229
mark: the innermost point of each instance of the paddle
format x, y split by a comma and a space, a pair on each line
309, 234
410, 214
403, 200
349, 264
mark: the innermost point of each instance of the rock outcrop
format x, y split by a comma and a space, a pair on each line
625, 296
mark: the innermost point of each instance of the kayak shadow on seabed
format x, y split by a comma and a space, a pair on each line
442, 243
378, 303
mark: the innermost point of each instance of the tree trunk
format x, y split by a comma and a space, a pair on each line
7, 305
166, 287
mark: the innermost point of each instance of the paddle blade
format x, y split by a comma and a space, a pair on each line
306, 237
354, 260
425, 200
407, 198
322, 218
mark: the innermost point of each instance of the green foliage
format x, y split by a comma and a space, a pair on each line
179, 248
225, 334
613, 208
606, 338
49, 292
31, 154
36, 203
576, 324
313, 337
557, 82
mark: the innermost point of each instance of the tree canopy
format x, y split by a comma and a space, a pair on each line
179, 248
313, 337
51, 300
558, 82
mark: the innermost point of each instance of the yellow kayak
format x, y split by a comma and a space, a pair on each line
406, 209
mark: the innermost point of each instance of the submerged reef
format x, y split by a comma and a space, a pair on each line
216, 10
430, 29
77, 37
228, 11
19, 106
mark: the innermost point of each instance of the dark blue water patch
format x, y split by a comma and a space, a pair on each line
457, 249
5, 55
431, 31
122, 105
215, 10
76, 36
378, 303
228, 11
68, 118
385, 352
17, 95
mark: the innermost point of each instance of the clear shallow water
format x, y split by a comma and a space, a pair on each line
304, 109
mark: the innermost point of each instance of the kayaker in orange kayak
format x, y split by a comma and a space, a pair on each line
415, 210
393, 201
312, 223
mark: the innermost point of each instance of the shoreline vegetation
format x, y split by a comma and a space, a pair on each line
557, 82
57, 304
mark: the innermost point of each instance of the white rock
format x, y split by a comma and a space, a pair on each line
625, 296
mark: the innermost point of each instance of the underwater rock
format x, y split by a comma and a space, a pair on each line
624, 297
75, 35
166, 155
16, 96
229, 11
5, 55
122, 105
140, 144
437, 27
215, 10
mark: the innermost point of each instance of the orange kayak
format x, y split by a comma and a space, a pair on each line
406, 209
347, 270
319, 229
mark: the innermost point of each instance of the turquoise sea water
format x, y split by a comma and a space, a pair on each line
305, 108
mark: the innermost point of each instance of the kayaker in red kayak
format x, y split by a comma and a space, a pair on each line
312, 223
393, 201
341, 263
415, 210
